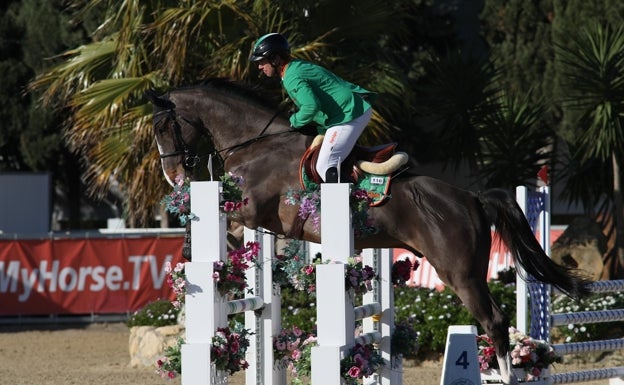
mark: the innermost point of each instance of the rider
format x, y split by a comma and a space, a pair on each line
341, 110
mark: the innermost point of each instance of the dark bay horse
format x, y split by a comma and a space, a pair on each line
448, 225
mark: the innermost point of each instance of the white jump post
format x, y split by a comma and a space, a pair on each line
336, 314
202, 319
206, 309
335, 317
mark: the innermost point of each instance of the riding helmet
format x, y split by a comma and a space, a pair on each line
270, 45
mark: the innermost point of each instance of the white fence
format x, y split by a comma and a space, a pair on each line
336, 315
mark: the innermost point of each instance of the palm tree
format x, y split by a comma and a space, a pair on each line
592, 65
142, 45
516, 142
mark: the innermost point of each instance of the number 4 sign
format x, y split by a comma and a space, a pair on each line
461, 366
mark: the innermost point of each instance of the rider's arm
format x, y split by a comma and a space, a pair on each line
303, 96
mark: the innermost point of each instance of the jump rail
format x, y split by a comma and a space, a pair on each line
536, 206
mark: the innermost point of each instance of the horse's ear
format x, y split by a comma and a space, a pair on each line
157, 100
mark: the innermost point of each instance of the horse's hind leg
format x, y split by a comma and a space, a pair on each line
476, 296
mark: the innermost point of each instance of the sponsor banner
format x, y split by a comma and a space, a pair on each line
426, 276
84, 276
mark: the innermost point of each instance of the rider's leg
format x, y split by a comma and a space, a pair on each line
338, 142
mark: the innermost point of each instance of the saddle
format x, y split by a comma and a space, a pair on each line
364, 166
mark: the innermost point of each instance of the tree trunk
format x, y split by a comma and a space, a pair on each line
619, 218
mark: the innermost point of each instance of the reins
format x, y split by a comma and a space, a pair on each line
190, 160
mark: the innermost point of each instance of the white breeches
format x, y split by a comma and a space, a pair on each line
339, 141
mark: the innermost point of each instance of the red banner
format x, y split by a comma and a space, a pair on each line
84, 276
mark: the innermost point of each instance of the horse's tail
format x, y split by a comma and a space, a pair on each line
516, 233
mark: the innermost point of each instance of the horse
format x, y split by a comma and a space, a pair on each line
448, 225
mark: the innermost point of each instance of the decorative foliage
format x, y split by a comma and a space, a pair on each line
229, 347
362, 223
309, 205
230, 276
179, 200
293, 349
177, 281
232, 194
404, 340
157, 313
303, 276
171, 364
310, 208
358, 276
287, 266
362, 361
402, 271
527, 353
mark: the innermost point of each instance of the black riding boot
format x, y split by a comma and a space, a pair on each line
331, 175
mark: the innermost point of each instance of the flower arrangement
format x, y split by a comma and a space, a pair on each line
359, 203
232, 194
310, 207
358, 276
404, 340
402, 271
529, 354
302, 276
293, 349
176, 279
362, 361
230, 276
179, 200
287, 266
171, 364
229, 347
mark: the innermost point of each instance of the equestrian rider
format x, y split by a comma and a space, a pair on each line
340, 109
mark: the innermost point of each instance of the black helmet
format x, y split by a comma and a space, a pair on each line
270, 45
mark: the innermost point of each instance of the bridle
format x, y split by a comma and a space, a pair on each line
191, 159
180, 146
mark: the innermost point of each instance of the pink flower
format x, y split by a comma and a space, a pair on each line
354, 372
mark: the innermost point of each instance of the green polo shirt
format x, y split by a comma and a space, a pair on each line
322, 97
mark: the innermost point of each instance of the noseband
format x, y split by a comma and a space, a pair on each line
180, 146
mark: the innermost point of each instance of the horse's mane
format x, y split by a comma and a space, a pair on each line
250, 92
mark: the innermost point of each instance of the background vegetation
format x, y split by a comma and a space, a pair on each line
497, 87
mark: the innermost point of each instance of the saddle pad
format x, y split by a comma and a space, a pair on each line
376, 186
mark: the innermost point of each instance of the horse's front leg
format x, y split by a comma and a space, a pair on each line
504, 363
